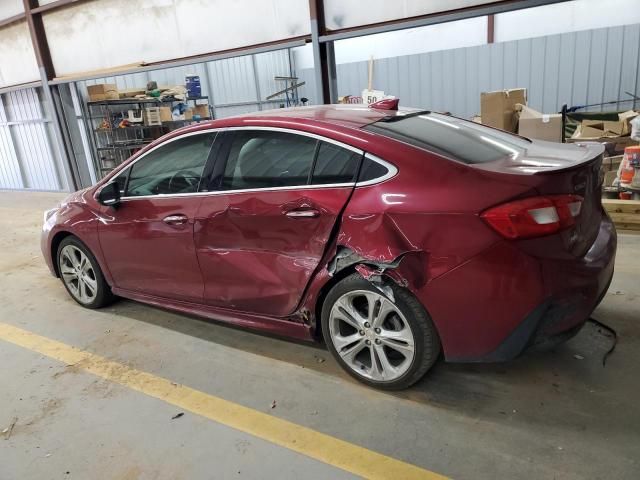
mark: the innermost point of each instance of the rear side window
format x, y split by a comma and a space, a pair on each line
334, 164
175, 167
371, 170
265, 159
459, 139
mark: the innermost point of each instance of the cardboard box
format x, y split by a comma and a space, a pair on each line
625, 119
165, 114
131, 92
497, 109
188, 114
102, 91
202, 110
540, 126
597, 129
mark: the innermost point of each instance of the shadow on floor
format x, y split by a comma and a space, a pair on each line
567, 387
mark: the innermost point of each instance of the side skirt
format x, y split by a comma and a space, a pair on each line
274, 326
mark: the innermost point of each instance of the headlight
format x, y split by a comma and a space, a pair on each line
49, 213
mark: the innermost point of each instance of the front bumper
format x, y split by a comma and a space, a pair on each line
45, 240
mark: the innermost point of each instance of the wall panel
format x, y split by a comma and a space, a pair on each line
89, 35
590, 66
10, 175
27, 159
17, 59
10, 8
351, 13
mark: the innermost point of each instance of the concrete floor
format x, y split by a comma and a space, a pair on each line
559, 414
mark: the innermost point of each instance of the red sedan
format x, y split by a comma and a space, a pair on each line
395, 235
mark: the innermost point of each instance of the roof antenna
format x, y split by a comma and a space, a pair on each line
386, 104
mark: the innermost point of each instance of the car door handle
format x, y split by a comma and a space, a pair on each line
306, 213
175, 219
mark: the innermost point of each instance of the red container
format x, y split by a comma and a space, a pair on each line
631, 159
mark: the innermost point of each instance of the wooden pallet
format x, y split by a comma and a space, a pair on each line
624, 213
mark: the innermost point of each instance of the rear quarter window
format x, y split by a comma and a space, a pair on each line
468, 142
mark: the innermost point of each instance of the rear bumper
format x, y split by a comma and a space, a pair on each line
551, 323
515, 301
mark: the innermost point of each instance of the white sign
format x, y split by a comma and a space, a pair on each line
373, 96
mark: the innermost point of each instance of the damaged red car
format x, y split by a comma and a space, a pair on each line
397, 236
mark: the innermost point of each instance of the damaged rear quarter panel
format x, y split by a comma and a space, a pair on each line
419, 225
427, 215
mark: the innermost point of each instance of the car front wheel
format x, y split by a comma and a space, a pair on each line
384, 340
81, 274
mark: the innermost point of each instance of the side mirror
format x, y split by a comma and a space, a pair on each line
110, 195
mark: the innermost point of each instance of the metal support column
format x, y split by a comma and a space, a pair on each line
256, 80
323, 56
491, 28
47, 73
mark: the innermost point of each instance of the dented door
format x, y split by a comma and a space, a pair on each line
276, 195
258, 250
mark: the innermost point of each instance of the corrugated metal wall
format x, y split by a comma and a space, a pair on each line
28, 159
233, 85
577, 68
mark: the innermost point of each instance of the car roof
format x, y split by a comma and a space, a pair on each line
349, 115
334, 121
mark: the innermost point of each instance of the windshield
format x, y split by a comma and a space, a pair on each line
453, 137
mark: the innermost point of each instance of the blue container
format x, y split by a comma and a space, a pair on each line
192, 82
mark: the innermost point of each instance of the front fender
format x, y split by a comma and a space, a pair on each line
79, 220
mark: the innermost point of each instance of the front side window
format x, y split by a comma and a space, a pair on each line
121, 181
267, 159
172, 168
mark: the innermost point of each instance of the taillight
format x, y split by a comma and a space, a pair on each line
534, 216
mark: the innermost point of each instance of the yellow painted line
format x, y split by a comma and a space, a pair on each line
319, 446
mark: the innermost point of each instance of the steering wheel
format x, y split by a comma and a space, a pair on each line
188, 181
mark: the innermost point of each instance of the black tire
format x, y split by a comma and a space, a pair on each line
103, 294
426, 339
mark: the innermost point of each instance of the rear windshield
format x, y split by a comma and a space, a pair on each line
468, 142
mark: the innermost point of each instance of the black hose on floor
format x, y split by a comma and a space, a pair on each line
614, 335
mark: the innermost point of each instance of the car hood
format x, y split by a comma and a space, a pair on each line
80, 196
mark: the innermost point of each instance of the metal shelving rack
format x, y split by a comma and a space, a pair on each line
113, 144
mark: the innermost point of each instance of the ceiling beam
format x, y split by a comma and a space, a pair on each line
39, 39
15, 18
179, 62
434, 18
54, 5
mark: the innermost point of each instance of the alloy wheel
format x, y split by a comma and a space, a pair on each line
78, 274
371, 335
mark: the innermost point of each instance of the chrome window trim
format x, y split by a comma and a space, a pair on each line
246, 190
391, 169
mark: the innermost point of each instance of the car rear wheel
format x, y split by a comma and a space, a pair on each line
81, 274
385, 341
